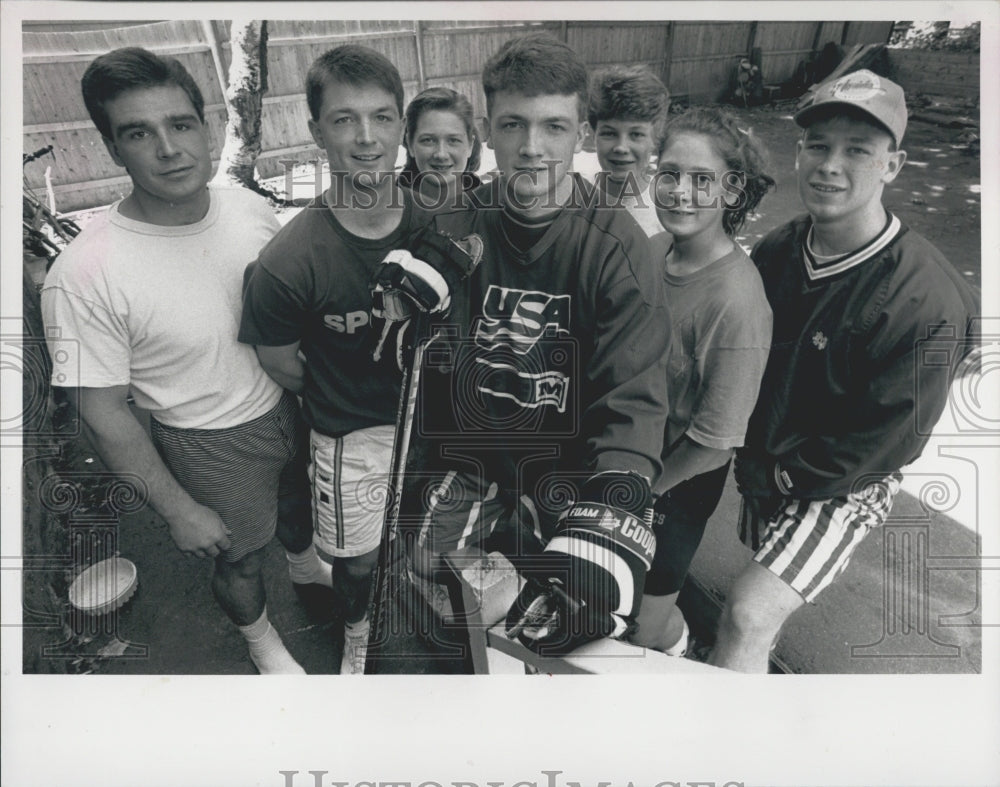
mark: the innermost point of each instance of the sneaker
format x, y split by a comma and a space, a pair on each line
355, 649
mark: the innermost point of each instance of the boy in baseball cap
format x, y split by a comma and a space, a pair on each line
855, 294
862, 94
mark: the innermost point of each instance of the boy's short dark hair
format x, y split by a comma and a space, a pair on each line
536, 65
628, 93
132, 68
355, 65
824, 113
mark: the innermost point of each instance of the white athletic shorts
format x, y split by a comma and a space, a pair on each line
350, 481
808, 543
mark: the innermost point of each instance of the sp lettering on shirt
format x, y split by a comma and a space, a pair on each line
346, 323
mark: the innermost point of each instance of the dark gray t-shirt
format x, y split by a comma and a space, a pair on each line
311, 285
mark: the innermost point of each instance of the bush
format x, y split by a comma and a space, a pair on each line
938, 36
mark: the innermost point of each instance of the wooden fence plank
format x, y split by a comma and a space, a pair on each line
936, 73
695, 59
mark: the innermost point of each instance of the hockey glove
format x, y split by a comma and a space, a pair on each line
592, 581
423, 277
757, 481
760, 476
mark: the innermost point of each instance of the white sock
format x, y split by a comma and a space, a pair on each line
355, 647
267, 651
679, 648
306, 568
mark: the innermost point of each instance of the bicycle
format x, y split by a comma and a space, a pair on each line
44, 232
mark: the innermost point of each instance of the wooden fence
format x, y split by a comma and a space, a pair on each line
954, 74
694, 58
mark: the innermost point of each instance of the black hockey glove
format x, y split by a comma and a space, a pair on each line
756, 479
754, 474
591, 583
423, 276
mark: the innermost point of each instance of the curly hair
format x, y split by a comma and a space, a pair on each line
442, 99
745, 156
628, 93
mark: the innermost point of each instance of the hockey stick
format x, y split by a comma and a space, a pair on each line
413, 356
427, 282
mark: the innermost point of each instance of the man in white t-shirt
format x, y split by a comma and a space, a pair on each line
151, 294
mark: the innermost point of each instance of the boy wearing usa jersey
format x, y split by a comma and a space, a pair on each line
546, 383
845, 402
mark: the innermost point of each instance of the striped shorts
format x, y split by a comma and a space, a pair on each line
808, 543
350, 483
236, 471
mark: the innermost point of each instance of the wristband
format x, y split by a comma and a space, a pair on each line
782, 480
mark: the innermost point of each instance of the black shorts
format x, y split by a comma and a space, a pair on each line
679, 520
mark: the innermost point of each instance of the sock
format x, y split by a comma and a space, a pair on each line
679, 648
355, 647
267, 651
306, 568
357, 628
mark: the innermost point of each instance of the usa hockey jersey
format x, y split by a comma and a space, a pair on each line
551, 359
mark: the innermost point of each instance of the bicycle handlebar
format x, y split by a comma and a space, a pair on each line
26, 157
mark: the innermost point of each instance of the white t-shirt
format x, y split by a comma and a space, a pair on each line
158, 308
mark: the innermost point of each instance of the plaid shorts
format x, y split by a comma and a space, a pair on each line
808, 543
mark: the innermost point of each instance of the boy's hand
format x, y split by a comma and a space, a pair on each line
592, 581
754, 475
424, 276
403, 282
